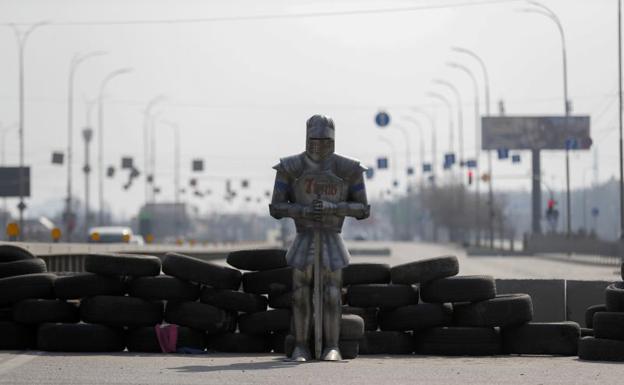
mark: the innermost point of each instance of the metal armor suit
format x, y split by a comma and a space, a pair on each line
318, 189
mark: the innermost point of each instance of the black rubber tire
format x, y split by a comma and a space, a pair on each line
233, 300
121, 311
200, 316
163, 287
26, 266
615, 297
80, 337
258, 259
122, 264
144, 340
586, 332
416, 317
368, 314
349, 349
84, 285
15, 336
351, 327
459, 341
15, 289
469, 288
599, 349
609, 325
260, 282
386, 342
425, 270
504, 310
240, 343
38, 311
589, 314
265, 322
10, 253
381, 295
551, 338
365, 273
280, 300
6, 314
278, 341
197, 270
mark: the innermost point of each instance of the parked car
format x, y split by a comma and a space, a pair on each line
114, 234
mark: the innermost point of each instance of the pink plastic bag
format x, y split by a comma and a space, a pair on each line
167, 337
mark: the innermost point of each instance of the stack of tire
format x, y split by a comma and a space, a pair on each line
423, 307
25, 283
607, 321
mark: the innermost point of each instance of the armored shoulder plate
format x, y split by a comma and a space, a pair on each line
346, 167
291, 165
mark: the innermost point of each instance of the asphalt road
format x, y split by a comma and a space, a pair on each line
499, 267
222, 369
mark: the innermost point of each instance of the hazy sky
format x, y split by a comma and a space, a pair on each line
241, 89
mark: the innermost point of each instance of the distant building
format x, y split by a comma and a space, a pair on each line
164, 221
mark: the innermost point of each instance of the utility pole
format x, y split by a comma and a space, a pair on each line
22, 38
620, 119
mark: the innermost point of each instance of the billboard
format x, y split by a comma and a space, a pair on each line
535, 132
9, 182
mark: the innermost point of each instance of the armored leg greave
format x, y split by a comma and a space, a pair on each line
332, 301
302, 304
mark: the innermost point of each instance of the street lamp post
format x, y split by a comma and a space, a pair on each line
22, 38
449, 106
147, 124
4, 130
76, 61
434, 138
460, 120
486, 83
87, 135
103, 85
176, 171
475, 85
421, 141
547, 12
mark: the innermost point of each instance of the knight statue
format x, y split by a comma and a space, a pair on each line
318, 189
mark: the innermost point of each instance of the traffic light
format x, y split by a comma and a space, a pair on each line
551, 204
470, 175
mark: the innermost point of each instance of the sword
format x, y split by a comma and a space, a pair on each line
318, 294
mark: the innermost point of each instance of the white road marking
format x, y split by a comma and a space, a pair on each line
16, 362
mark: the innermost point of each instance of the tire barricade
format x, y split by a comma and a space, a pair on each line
605, 340
421, 308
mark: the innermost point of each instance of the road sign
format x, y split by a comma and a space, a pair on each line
382, 163
56, 234
571, 144
449, 159
382, 119
12, 230
126, 162
198, 165
535, 132
503, 153
9, 182
57, 157
471, 163
370, 173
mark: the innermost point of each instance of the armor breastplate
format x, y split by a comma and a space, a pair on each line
323, 185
